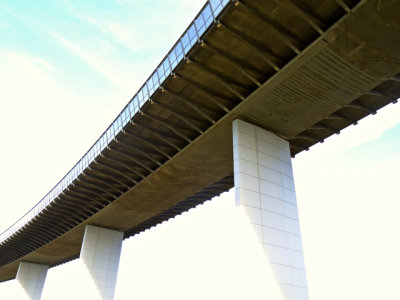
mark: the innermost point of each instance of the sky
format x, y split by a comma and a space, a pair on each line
67, 68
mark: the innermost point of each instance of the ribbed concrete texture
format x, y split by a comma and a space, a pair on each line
265, 193
30, 279
101, 250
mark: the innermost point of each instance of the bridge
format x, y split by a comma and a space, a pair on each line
284, 75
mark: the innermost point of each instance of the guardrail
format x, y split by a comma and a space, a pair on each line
189, 38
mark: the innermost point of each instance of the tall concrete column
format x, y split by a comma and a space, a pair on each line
264, 190
100, 254
30, 278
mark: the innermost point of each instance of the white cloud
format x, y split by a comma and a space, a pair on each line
125, 35
103, 66
368, 129
35, 67
44, 127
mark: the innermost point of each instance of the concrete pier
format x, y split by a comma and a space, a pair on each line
264, 190
30, 279
100, 254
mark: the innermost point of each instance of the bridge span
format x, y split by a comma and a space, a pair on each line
270, 77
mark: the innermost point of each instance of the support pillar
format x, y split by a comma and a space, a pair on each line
31, 278
100, 254
264, 190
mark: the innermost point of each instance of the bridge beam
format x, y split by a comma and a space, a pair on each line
30, 279
265, 195
100, 254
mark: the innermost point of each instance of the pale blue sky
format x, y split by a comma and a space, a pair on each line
66, 70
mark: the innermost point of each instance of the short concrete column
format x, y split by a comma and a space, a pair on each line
264, 190
100, 254
31, 277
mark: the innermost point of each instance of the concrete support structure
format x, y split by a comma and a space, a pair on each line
264, 190
30, 279
100, 254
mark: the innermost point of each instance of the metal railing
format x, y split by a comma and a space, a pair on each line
189, 38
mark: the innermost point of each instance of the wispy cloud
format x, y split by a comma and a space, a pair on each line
125, 35
107, 68
32, 66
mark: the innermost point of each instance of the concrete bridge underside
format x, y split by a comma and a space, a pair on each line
302, 69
